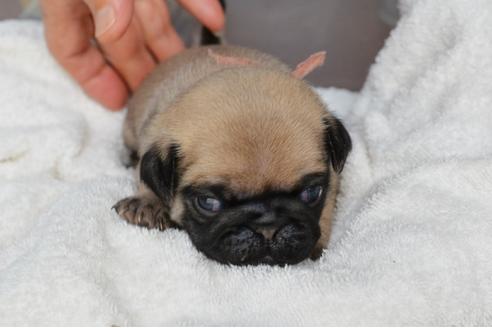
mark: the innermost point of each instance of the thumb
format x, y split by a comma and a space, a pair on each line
111, 18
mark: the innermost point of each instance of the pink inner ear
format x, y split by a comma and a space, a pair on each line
229, 60
310, 64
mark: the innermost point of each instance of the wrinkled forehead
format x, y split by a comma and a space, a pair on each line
254, 170
251, 183
263, 131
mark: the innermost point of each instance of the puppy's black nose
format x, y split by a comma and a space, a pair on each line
265, 220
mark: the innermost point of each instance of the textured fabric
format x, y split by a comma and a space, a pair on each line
412, 239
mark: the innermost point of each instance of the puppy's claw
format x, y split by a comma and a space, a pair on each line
143, 212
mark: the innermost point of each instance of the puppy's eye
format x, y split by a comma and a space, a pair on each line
208, 204
311, 195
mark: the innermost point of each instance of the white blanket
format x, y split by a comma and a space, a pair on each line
412, 240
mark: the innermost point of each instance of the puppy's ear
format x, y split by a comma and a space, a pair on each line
337, 142
158, 171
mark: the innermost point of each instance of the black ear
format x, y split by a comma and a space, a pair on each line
337, 143
159, 171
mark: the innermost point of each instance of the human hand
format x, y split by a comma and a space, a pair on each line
132, 36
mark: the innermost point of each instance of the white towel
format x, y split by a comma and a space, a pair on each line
412, 239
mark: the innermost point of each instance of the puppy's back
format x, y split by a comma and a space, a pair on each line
178, 74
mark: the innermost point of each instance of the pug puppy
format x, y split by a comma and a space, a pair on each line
237, 150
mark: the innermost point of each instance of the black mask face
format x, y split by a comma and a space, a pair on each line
275, 227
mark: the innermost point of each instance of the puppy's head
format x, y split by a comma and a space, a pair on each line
247, 161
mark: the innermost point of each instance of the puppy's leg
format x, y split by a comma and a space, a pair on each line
130, 157
145, 210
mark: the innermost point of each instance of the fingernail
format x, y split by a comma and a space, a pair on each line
104, 19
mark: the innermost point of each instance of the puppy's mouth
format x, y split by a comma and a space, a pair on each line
290, 244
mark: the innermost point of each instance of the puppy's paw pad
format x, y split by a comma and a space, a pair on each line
144, 212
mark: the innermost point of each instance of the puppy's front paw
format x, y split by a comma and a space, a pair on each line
143, 211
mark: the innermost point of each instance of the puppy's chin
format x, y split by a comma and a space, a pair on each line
291, 243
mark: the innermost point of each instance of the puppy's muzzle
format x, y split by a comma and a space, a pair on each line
270, 238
